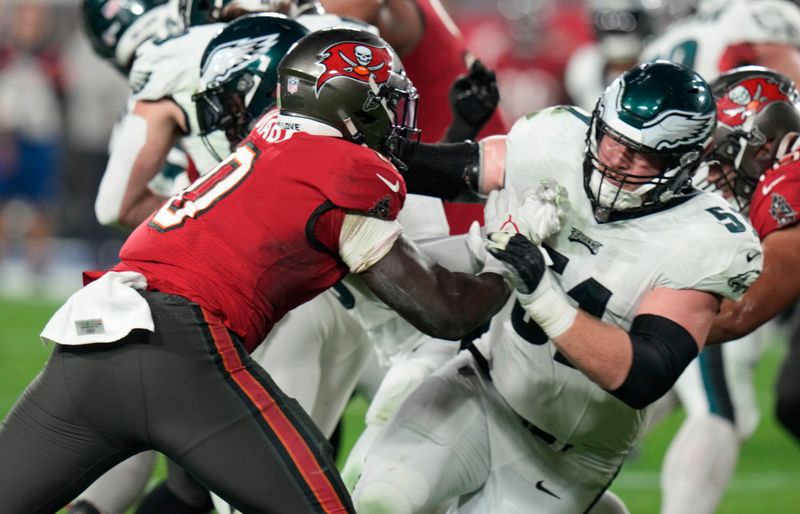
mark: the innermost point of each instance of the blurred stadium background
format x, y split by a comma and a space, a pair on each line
57, 105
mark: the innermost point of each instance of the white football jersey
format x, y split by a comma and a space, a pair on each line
171, 69
702, 41
606, 269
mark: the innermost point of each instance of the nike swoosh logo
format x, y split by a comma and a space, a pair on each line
752, 255
766, 189
395, 187
540, 486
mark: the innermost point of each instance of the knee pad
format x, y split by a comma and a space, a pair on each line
390, 488
381, 498
401, 379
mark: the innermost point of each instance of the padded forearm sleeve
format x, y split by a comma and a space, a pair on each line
661, 351
450, 171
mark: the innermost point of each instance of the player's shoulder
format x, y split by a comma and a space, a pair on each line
776, 201
350, 176
712, 248
164, 66
547, 131
546, 143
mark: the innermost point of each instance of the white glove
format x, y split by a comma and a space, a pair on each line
499, 215
543, 211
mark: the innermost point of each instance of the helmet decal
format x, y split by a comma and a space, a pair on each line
748, 99
671, 129
355, 61
234, 56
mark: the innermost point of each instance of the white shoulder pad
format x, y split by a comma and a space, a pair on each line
716, 249
163, 68
765, 21
547, 143
314, 22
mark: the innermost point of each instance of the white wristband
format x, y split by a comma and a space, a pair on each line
549, 307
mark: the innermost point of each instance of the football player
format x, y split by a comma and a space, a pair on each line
757, 154
722, 35
621, 30
155, 352
134, 25
540, 413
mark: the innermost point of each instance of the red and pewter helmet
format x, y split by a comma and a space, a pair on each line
351, 80
756, 108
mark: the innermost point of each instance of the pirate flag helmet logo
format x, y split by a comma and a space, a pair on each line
355, 61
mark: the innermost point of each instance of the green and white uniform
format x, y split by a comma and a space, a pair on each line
715, 39
534, 434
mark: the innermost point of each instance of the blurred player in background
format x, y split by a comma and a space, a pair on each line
527, 44
31, 94
621, 28
717, 390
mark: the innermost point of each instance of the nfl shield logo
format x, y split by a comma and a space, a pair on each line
291, 85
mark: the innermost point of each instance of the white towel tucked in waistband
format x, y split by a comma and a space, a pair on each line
102, 312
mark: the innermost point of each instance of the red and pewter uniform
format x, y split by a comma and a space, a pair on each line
433, 66
284, 207
776, 201
224, 260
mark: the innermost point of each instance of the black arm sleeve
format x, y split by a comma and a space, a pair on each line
450, 171
661, 351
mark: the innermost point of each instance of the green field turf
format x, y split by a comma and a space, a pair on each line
767, 479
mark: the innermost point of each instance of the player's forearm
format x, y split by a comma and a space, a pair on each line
601, 351
467, 302
134, 214
463, 172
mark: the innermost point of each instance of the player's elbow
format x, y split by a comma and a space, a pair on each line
661, 351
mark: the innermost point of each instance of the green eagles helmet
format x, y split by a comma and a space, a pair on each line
116, 28
239, 73
200, 12
663, 110
351, 80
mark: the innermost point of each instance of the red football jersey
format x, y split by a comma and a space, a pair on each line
776, 201
259, 235
432, 67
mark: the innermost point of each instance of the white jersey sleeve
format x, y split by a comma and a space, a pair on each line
719, 252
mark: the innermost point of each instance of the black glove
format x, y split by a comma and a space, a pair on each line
473, 99
522, 256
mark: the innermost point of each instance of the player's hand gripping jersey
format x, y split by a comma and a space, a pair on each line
720, 36
699, 244
170, 68
302, 198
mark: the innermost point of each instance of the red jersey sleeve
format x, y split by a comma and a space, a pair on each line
776, 201
371, 185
